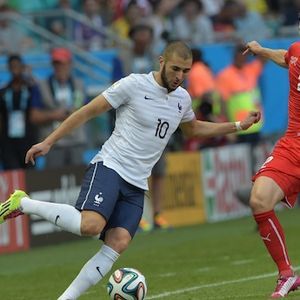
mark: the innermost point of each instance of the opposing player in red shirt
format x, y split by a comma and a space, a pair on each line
279, 177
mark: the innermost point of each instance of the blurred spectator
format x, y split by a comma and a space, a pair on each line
212, 7
13, 38
238, 85
200, 79
223, 22
207, 102
58, 24
144, 6
131, 17
258, 6
273, 16
192, 25
17, 99
290, 11
140, 57
250, 25
111, 10
161, 23
85, 36
62, 93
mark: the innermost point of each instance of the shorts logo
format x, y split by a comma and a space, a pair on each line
266, 238
270, 158
98, 199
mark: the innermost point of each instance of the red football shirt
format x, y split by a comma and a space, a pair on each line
292, 58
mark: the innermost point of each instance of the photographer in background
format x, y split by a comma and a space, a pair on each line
62, 94
17, 99
207, 102
238, 83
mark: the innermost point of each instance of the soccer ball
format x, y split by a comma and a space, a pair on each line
127, 284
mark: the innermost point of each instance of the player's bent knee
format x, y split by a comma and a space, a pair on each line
258, 201
118, 239
90, 229
92, 223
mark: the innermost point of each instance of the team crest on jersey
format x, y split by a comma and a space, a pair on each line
179, 107
293, 60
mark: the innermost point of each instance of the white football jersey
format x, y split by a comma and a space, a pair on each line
146, 117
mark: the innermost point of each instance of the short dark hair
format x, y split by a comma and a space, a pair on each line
197, 54
14, 57
239, 48
177, 47
198, 3
140, 27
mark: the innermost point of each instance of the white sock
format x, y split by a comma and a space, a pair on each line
64, 216
91, 273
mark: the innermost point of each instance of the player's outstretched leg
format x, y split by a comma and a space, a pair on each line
62, 215
11, 207
264, 196
285, 285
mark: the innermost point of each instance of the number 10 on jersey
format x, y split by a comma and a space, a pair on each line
161, 129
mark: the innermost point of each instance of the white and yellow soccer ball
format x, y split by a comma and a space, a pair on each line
127, 284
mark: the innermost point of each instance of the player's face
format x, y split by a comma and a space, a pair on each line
62, 70
16, 68
174, 71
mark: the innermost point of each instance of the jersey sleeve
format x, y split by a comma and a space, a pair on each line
118, 93
188, 114
294, 50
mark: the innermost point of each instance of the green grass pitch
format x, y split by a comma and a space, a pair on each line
224, 260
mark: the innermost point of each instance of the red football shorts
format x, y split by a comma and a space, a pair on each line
283, 166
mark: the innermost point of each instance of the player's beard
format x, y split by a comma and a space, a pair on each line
164, 80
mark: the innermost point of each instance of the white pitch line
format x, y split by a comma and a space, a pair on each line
242, 262
204, 269
203, 286
211, 285
168, 274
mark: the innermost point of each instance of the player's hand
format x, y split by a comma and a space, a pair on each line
252, 48
35, 151
253, 117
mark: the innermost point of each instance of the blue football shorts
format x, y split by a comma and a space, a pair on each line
104, 191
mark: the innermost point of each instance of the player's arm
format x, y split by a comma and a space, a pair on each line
203, 129
94, 108
275, 55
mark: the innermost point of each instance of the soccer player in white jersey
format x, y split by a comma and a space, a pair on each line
149, 108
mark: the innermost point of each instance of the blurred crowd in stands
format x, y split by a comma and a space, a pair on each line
30, 108
195, 21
